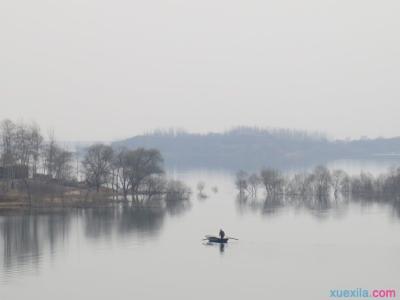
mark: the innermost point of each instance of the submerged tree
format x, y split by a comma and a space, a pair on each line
200, 189
177, 196
139, 164
273, 181
322, 180
241, 181
340, 181
317, 188
254, 183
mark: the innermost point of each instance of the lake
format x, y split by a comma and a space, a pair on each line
124, 252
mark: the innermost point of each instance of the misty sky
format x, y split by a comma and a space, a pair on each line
99, 70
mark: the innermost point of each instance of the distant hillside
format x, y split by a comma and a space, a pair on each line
251, 148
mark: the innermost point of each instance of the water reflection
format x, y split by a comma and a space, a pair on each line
220, 246
319, 191
123, 220
319, 207
392, 204
27, 237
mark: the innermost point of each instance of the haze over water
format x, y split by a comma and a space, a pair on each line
180, 85
148, 253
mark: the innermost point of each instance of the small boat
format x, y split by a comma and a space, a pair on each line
217, 239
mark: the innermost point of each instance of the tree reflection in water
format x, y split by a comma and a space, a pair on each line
26, 236
320, 207
320, 191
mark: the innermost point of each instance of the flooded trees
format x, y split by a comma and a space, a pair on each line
200, 190
135, 174
363, 186
241, 181
321, 180
132, 171
177, 196
340, 182
254, 181
320, 187
391, 184
139, 165
273, 181
120, 171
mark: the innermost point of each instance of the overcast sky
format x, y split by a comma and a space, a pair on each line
99, 70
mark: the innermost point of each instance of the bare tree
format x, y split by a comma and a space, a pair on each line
200, 188
120, 168
273, 181
339, 181
322, 181
153, 185
49, 155
62, 164
19, 151
97, 165
23, 144
363, 186
177, 196
391, 185
36, 146
254, 183
8, 132
241, 181
141, 163
299, 185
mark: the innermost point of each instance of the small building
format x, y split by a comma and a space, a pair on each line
14, 172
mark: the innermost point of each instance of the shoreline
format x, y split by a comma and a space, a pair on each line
65, 204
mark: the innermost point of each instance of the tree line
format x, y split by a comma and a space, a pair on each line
320, 183
24, 147
132, 173
277, 148
230, 150
30, 161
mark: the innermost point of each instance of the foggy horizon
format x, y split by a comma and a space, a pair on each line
96, 70
177, 130
214, 149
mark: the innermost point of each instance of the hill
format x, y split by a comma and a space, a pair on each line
248, 148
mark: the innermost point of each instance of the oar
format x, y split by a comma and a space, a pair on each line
232, 238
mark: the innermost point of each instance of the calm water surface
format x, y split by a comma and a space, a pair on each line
141, 253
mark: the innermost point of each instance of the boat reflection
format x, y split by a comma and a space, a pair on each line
221, 246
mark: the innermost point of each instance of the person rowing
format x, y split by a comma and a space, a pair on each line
221, 234
221, 238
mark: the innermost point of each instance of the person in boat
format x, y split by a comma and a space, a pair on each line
221, 234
